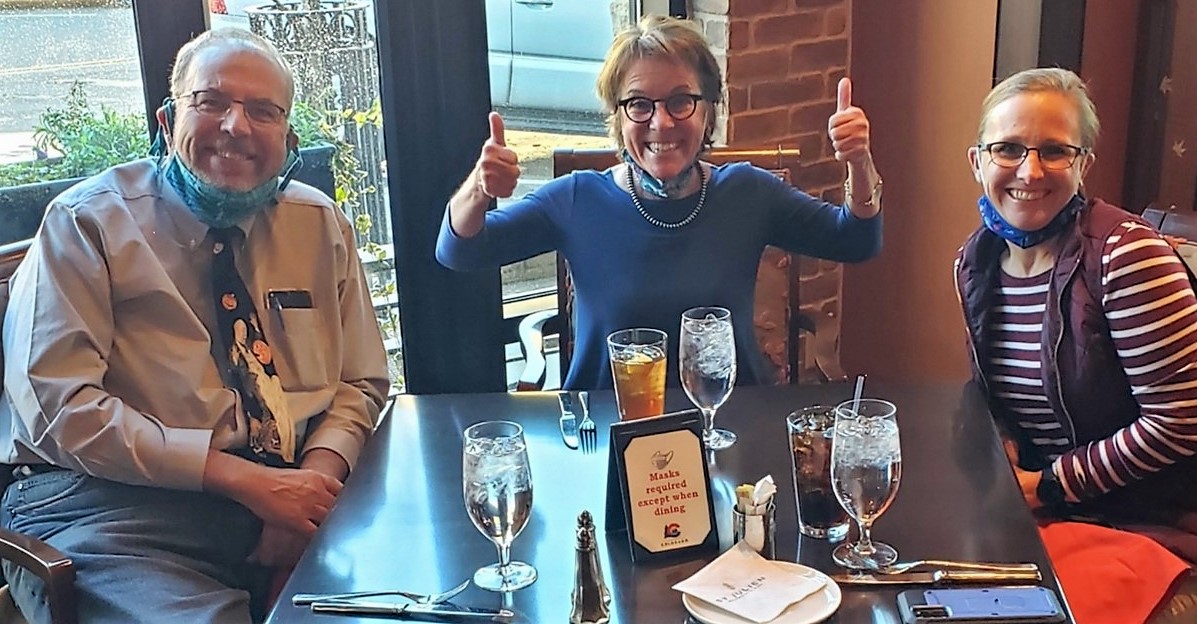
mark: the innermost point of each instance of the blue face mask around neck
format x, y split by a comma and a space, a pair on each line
1024, 238
665, 189
219, 207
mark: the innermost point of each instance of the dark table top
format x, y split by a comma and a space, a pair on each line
400, 522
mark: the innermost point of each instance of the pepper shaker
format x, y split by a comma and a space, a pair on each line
590, 595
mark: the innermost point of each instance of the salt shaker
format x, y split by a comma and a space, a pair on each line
590, 595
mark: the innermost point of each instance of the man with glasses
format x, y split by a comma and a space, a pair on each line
192, 359
1083, 327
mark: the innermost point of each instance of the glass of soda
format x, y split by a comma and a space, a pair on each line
811, 431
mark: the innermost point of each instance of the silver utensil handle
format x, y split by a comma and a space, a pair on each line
353, 608
1013, 577
970, 565
303, 600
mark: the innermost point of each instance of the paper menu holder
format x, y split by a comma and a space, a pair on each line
659, 487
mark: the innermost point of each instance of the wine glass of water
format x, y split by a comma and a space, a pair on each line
866, 466
707, 365
497, 484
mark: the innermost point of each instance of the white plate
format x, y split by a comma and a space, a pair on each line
814, 608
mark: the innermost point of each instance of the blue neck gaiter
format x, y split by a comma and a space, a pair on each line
665, 189
995, 223
218, 207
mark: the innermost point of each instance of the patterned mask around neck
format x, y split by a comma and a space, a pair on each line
1024, 238
665, 189
218, 207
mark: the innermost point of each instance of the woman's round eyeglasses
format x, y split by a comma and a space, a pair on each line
1055, 157
680, 106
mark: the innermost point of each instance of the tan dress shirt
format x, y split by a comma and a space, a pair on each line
108, 335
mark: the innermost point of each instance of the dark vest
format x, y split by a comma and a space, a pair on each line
1082, 375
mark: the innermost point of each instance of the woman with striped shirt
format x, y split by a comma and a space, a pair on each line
1082, 323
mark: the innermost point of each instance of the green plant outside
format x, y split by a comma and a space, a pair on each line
89, 142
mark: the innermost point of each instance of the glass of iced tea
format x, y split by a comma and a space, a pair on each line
638, 367
811, 432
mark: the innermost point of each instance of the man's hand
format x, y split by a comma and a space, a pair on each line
278, 548
294, 499
297, 500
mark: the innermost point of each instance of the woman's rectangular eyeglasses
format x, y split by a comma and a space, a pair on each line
1052, 156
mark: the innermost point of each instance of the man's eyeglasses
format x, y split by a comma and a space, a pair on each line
217, 104
1010, 155
680, 106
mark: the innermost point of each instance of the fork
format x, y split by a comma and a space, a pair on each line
587, 431
906, 566
301, 600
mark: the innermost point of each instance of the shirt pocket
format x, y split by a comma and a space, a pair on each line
302, 365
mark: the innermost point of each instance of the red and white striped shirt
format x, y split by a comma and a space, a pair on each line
1152, 314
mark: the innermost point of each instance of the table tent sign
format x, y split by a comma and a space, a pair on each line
659, 487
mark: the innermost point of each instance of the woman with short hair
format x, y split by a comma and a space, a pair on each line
663, 231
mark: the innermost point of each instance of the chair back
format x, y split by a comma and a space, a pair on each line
778, 321
10, 256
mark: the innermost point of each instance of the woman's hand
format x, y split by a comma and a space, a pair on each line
848, 129
498, 168
1028, 481
495, 175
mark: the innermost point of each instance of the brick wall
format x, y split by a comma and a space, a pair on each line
782, 60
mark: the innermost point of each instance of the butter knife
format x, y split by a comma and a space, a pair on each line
569, 424
942, 577
415, 611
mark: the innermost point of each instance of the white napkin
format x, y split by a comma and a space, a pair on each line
763, 491
754, 521
748, 585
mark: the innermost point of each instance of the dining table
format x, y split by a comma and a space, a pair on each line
400, 522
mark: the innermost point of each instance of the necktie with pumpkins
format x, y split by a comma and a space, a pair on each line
248, 359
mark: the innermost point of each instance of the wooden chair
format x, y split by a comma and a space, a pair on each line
1177, 224
1173, 222
779, 323
49, 564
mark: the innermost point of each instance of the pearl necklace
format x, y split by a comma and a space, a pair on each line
702, 196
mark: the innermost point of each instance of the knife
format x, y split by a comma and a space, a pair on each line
941, 577
415, 611
569, 424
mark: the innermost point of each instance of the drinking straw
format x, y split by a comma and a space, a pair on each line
856, 399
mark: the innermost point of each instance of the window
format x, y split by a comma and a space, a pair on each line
332, 49
544, 59
71, 105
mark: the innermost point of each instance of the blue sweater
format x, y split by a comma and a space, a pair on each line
630, 273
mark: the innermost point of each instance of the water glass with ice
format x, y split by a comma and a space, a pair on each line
707, 365
497, 484
866, 467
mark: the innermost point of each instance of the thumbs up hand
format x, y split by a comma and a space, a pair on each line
498, 168
848, 128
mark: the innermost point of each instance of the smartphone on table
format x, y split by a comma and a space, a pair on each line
992, 605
